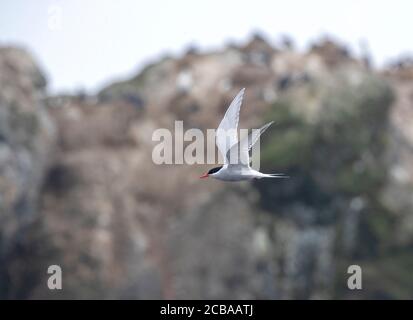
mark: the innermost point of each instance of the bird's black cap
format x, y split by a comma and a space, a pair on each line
214, 170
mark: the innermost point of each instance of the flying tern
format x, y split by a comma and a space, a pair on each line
236, 153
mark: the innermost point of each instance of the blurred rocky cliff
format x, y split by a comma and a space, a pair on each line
79, 188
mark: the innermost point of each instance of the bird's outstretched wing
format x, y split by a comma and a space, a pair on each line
255, 134
238, 154
226, 135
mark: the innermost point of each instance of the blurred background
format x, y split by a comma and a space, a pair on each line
83, 85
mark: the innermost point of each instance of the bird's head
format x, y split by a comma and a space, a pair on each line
211, 172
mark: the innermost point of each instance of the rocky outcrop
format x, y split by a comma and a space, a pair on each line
26, 143
122, 227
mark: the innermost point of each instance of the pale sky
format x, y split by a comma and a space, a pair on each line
85, 44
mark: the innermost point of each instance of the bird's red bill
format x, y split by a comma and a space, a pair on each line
204, 176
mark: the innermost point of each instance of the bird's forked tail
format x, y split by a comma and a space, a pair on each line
274, 175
